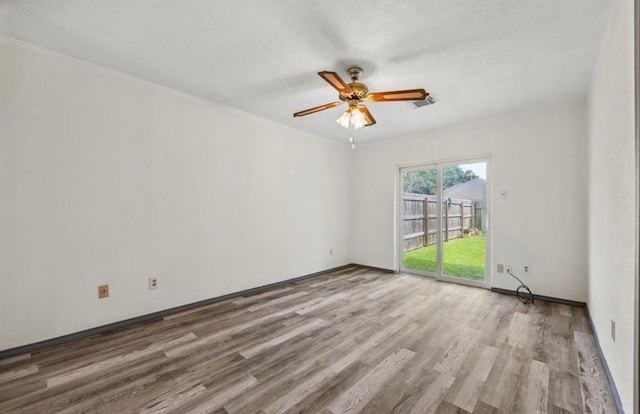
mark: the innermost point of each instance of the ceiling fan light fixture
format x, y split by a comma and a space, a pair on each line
344, 119
352, 117
357, 118
353, 94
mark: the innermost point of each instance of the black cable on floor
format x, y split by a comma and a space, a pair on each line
524, 297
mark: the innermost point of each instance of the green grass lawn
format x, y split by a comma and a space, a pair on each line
463, 257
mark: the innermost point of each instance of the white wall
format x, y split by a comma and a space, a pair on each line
540, 156
612, 243
106, 178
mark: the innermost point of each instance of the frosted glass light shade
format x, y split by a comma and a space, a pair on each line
357, 118
344, 119
352, 116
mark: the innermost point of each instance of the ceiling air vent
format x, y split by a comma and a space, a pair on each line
419, 104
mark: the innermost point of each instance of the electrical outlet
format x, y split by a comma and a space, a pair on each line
103, 291
153, 283
500, 268
526, 269
613, 330
509, 270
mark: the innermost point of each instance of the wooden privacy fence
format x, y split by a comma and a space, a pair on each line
420, 219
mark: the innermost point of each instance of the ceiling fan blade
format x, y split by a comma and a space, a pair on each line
391, 96
370, 120
317, 109
336, 81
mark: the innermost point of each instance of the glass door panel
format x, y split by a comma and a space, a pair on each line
464, 195
420, 222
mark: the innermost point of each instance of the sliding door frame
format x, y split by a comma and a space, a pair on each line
398, 245
636, 351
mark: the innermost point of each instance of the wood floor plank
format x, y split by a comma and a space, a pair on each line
298, 393
533, 396
277, 301
12, 375
465, 391
14, 359
175, 400
253, 298
120, 360
215, 401
483, 408
502, 384
318, 401
190, 346
524, 330
597, 397
355, 340
433, 396
446, 407
359, 395
565, 389
282, 374
324, 302
309, 326
458, 351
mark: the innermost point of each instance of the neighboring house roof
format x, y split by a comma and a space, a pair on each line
475, 190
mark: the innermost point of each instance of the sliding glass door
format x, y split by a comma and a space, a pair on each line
443, 221
420, 220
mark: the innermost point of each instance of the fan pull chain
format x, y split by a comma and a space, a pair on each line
352, 129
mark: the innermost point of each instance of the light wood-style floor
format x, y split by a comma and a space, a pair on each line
352, 341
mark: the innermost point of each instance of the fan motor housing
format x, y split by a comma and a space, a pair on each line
358, 92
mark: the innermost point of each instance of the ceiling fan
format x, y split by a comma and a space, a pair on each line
354, 93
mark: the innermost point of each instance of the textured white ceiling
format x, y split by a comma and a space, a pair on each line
477, 58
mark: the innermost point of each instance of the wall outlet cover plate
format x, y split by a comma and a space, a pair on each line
103, 291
